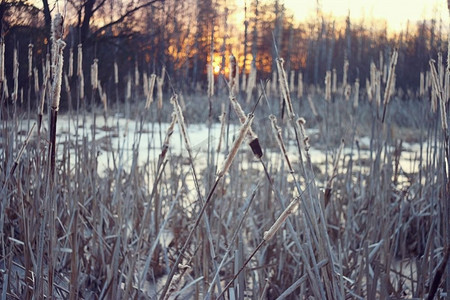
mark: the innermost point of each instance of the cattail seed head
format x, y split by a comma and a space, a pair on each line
94, 74
236, 144
70, 71
300, 85
30, 60
305, 139
36, 80
56, 88
285, 88
328, 86
281, 219
344, 78
210, 74
334, 82
136, 75
116, 73
80, 60
181, 123
356, 96
151, 86
390, 81
169, 133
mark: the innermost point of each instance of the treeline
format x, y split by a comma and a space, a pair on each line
186, 36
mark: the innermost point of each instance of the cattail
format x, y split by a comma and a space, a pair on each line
136, 74
36, 80
145, 83
128, 94
291, 82
222, 127
251, 82
281, 219
81, 79
236, 144
94, 74
159, 90
232, 75
373, 76
70, 71
385, 73
285, 88
2, 60
15, 93
116, 73
5, 88
56, 34
279, 137
356, 96
334, 82
66, 83
181, 123
182, 103
80, 60
244, 82
300, 85
169, 132
347, 92
313, 107
47, 67
30, 60
56, 88
151, 86
369, 90
422, 85
344, 78
274, 82
210, 71
103, 97
378, 89
328, 86
302, 132
390, 80
381, 62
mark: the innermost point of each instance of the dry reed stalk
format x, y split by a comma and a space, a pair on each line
169, 132
328, 86
334, 173
285, 88
390, 82
274, 86
232, 75
5, 88
151, 87
369, 90
440, 95
2, 60
300, 85
347, 92
279, 137
312, 106
378, 88
281, 219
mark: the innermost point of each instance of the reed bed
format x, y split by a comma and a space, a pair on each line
86, 213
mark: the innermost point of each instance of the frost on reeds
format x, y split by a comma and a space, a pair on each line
2, 60
390, 82
279, 137
281, 219
57, 79
222, 127
181, 123
285, 88
236, 145
302, 135
151, 87
169, 132
437, 88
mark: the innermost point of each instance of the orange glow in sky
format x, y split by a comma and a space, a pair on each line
395, 12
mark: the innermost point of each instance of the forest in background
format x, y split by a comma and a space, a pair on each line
185, 36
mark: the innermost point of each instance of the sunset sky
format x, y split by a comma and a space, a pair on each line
395, 12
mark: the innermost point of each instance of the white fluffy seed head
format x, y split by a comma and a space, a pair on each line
56, 88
